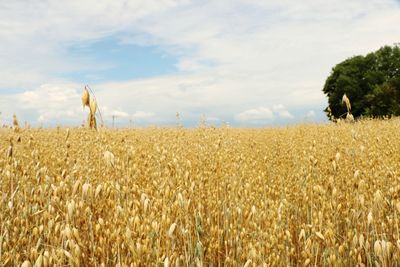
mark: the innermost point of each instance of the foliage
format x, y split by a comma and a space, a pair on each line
371, 82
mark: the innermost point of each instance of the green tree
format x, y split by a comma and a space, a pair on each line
371, 82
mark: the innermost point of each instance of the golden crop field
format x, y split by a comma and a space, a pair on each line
324, 195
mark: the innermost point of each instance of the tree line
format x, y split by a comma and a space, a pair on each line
371, 82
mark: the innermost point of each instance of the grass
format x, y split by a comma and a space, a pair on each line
304, 195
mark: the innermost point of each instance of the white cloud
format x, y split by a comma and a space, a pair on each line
231, 54
142, 115
255, 115
51, 103
310, 114
108, 112
282, 111
38, 54
118, 113
264, 114
212, 119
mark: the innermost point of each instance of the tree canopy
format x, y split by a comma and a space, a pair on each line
371, 82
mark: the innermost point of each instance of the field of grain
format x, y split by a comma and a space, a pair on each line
325, 195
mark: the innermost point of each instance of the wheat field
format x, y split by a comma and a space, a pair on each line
305, 195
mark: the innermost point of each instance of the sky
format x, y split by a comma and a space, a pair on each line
249, 63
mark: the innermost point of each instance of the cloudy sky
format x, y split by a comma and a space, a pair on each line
247, 62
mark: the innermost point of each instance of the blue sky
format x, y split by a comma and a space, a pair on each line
247, 62
120, 61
